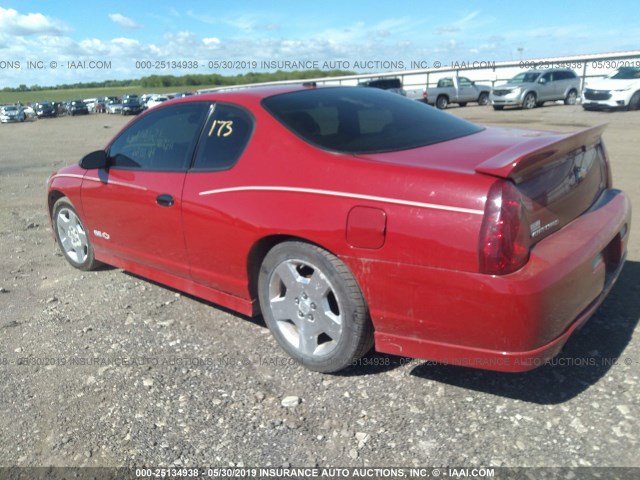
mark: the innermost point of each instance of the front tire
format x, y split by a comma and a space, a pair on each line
529, 101
314, 307
73, 238
634, 103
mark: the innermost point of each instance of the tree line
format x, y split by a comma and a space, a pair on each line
190, 80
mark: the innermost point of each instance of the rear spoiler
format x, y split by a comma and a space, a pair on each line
518, 162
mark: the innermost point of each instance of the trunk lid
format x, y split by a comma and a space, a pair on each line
558, 178
559, 175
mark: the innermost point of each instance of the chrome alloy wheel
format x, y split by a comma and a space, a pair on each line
72, 235
305, 307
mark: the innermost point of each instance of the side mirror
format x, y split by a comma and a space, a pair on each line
94, 160
542, 81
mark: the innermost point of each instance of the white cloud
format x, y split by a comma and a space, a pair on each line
14, 23
125, 42
211, 41
123, 21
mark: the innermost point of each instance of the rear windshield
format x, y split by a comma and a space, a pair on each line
361, 120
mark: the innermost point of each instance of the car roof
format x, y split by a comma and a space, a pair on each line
253, 93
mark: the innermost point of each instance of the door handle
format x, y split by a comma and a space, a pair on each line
165, 200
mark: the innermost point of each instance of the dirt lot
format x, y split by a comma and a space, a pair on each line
122, 372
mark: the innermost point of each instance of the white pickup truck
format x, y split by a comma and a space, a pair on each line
458, 90
618, 90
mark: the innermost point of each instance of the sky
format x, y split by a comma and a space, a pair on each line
50, 43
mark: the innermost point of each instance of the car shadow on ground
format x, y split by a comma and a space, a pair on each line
586, 358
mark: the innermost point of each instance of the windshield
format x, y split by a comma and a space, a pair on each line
525, 77
362, 120
10, 109
629, 73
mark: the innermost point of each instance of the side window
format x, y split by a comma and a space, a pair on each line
162, 140
564, 75
464, 82
547, 76
224, 138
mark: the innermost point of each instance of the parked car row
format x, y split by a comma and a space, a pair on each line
12, 113
530, 89
126, 105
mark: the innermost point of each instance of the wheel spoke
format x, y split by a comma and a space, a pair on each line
82, 236
66, 242
329, 324
80, 253
63, 220
318, 285
307, 338
73, 220
288, 275
283, 308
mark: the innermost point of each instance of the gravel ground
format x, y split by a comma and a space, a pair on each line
108, 369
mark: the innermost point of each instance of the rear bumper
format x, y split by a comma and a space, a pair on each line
508, 323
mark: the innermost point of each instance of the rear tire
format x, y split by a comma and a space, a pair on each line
483, 99
571, 98
314, 307
442, 102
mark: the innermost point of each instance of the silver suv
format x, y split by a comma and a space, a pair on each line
534, 87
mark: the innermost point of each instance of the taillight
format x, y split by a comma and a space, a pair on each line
504, 237
607, 165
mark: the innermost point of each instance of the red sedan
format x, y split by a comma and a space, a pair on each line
351, 217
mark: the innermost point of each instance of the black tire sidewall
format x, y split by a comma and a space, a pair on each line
351, 302
634, 102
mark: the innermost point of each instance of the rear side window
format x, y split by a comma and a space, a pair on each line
224, 138
355, 120
161, 140
564, 75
